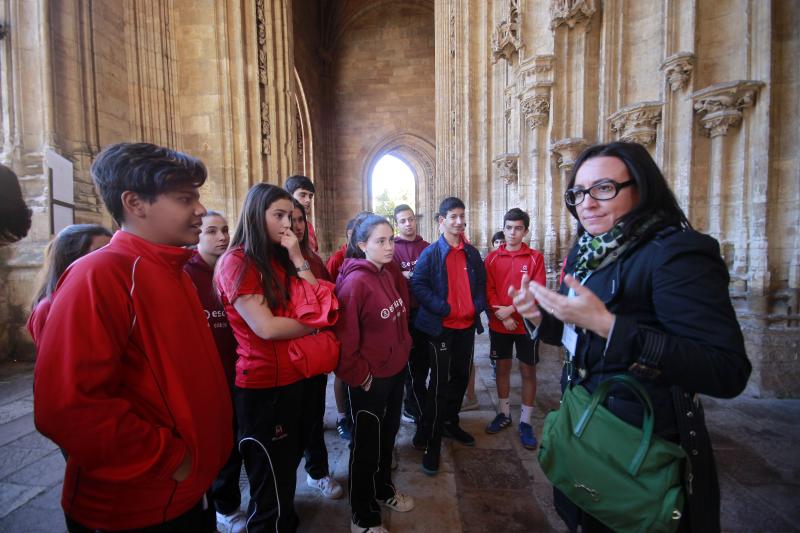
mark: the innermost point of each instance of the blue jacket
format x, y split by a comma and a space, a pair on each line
429, 285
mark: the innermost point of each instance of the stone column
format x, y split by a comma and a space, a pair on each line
535, 161
677, 117
720, 109
567, 151
276, 83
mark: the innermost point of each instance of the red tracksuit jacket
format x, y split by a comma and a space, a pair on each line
504, 269
127, 382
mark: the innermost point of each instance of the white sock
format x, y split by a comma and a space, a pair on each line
525, 414
504, 406
341, 416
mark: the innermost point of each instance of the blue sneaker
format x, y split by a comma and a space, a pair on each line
345, 429
500, 422
527, 437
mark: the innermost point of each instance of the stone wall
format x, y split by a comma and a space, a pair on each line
383, 87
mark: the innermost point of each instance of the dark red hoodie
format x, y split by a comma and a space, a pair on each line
373, 323
505, 269
127, 382
406, 254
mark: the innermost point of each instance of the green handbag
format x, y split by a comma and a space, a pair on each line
624, 476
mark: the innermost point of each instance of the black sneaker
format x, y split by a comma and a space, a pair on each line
419, 442
430, 462
344, 428
454, 431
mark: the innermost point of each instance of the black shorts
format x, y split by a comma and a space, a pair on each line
502, 347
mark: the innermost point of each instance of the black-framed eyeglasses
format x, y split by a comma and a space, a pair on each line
602, 190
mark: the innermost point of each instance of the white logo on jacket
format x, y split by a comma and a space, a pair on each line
396, 306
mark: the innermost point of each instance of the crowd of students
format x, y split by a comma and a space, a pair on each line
171, 354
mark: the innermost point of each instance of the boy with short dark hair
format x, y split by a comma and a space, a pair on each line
504, 268
302, 189
408, 245
128, 380
450, 283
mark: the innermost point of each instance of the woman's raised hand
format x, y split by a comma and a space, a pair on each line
584, 309
525, 302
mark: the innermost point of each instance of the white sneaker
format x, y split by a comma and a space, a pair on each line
374, 529
232, 523
402, 503
328, 486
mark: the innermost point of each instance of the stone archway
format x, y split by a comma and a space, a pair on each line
419, 154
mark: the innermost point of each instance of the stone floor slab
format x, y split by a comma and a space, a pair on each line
13, 495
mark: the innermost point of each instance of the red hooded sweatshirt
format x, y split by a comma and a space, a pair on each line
373, 323
504, 269
335, 262
127, 382
406, 254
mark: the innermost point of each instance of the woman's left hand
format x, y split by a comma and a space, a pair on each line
585, 309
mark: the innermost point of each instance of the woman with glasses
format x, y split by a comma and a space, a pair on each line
645, 295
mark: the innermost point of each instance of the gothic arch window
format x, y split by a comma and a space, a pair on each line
419, 155
393, 183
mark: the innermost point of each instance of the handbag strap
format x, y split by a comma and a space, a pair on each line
644, 398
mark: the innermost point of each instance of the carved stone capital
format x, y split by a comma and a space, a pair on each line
505, 167
570, 12
567, 151
678, 69
536, 110
720, 105
506, 39
637, 122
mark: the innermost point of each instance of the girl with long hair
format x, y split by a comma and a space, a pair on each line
373, 330
71, 243
257, 278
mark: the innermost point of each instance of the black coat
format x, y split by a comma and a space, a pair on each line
676, 325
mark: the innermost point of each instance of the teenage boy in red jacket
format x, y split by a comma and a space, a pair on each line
408, 246
128, 380
504, 268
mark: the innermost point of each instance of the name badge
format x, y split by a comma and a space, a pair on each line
569, 338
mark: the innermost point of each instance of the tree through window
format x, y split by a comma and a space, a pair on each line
393, 184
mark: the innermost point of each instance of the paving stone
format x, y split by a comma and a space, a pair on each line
508, 511
15, 409
16, 428
14, 458
47, 471
742, 509
13, 495
489, 470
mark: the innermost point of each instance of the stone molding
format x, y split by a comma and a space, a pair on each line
261, 30
508, 99
506, 40
567, 151
570, 12
720, 105
265, 129
505, 167
637, 122
678, 69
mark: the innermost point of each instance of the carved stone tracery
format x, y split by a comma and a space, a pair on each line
720, 105
536, 108
567, 151
637, 123
505, 167
678, 69
506, 40
570, 12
